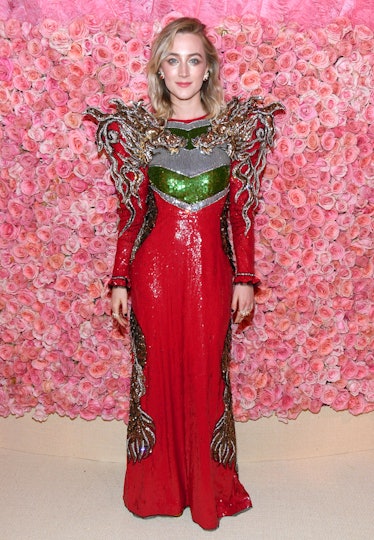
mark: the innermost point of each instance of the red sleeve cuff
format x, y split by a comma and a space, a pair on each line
246, 277
117, 281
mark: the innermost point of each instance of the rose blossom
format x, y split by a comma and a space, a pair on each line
60, 41
78, 29
6, 69
250, 80
297, 198
230, 72
102, 54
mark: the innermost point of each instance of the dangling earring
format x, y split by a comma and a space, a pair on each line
206, 76
161, 74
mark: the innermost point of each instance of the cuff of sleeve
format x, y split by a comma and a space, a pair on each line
246, 277
118, 281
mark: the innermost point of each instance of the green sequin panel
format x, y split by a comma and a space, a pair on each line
189, 135
190, 190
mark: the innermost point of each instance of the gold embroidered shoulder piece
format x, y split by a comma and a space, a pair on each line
139, 133
246, 129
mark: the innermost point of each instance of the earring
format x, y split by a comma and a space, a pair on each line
161, 74
206, 76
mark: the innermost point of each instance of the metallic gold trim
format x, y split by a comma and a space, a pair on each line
139, 133
148, 224
237, 129
195, 207
223, 445
141, 431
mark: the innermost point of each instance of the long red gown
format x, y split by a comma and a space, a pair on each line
181, 436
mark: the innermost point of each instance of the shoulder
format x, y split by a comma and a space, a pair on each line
237, 112
131, 124
135, 115
248, 123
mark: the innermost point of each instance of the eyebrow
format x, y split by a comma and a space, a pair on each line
189, 55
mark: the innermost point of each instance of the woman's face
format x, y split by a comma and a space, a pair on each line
184, 68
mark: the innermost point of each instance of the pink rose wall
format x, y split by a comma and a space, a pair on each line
310, 341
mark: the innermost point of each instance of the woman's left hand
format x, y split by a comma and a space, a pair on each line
242, 301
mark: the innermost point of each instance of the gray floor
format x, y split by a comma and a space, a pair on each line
55, 498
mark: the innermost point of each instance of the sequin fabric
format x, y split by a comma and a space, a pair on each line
180, 184
141, 428
223, 445
143, 136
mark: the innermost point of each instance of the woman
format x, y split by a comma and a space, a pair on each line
181, 174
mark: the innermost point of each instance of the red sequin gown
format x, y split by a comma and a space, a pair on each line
174, 256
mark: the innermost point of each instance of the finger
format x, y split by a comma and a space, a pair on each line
120, 318
242, 314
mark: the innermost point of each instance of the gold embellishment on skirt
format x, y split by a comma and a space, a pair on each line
223, 445
141, 429
148, 224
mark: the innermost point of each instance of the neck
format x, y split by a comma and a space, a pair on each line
185, 110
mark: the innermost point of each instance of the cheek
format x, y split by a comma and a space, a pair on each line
169, 71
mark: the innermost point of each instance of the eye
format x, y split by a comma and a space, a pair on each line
172, 61
195, 61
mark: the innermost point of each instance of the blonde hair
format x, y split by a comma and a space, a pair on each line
211, 91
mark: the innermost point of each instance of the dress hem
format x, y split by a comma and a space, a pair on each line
239, 509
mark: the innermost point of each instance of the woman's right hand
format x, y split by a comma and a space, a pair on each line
119, 305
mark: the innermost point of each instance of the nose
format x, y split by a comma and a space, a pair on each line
183, 69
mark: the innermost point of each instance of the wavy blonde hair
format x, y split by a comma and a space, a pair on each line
211, 90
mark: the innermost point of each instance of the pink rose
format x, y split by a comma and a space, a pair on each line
325, 347
21, 83
90, 86
356, 404
98, 245
329, 118
284, 259
135, 48
230, 72
121, 59
13, 28
77, 141
102, 54
289, 169
250, 80
232, 56
228, 42
296, 198
323, 291
135, 67
82, 256
98, 370
6, 69
55, 261
107, 74
59, 97
78, 29
320, 59
47, 27
329, 394
327, 202
60, 41
286, 61
331, 231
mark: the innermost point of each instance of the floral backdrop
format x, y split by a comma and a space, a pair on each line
310, 343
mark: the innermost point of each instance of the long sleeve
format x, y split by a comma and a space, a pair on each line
246, 129
243, 241
243, 202
130, 220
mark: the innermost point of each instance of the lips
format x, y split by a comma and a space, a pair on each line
184, 84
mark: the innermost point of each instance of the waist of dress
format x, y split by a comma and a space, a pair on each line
191, 207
